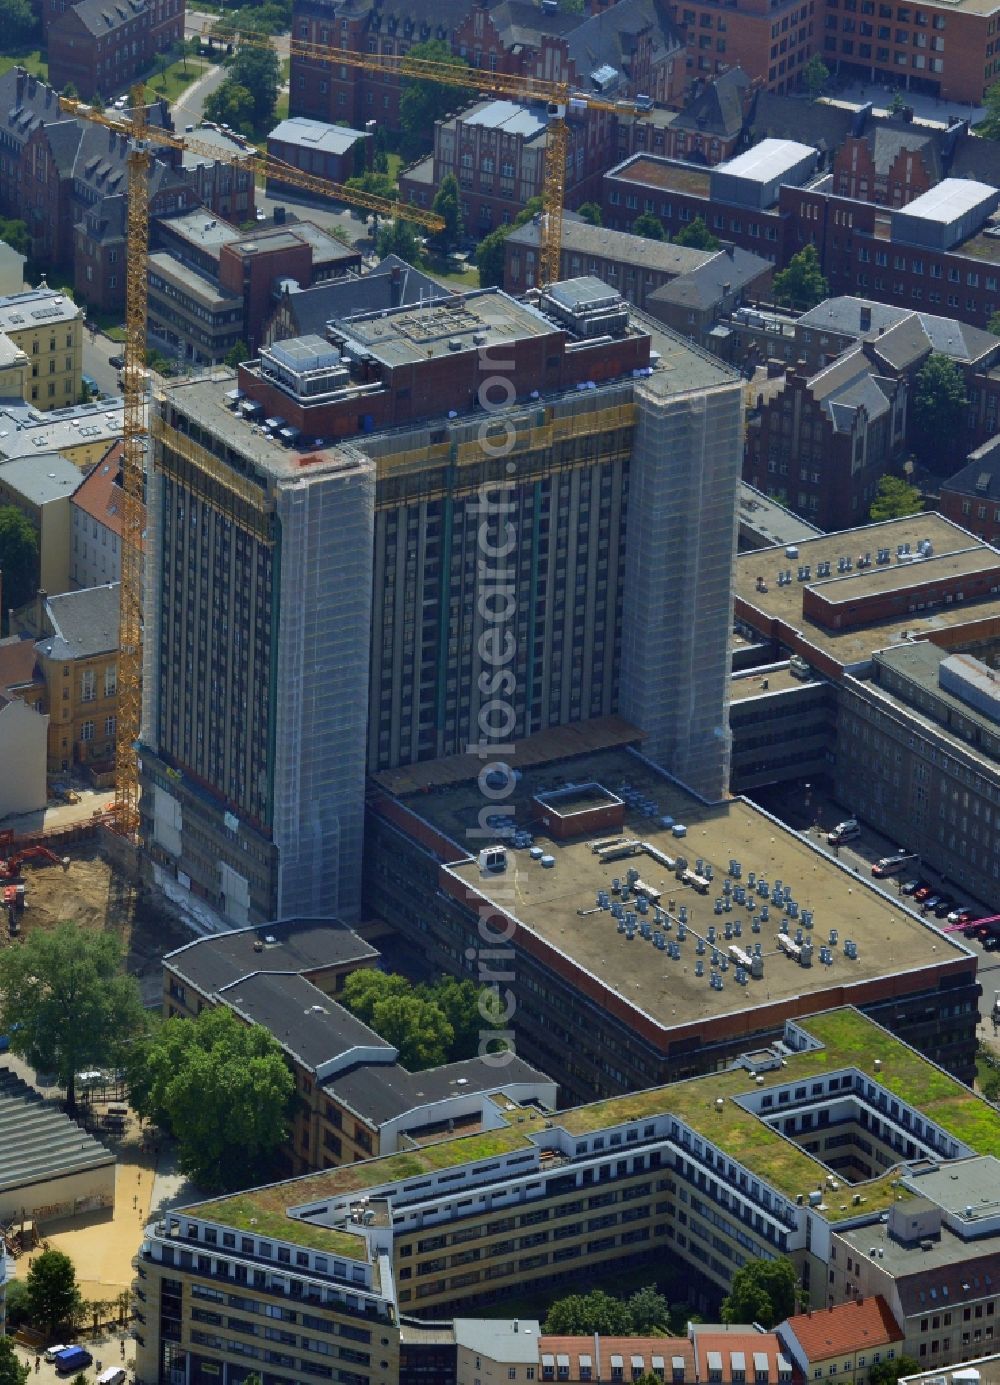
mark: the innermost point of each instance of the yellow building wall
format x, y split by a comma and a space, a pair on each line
55, 362
14, 381
72, 710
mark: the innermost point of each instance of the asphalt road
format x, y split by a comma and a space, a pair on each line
190, 107
97, 348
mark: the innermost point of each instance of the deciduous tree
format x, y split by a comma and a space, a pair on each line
802, 284
697, 235
895, 499
763, 1291
399, 238
67, 1003
11, 1370
937, 411
591, 211
422, 101
53, 1293
648, 226
815, 74
448, 203
18, 558
224, 1090
579, 1315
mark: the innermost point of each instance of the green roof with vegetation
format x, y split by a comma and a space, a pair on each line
848, 1039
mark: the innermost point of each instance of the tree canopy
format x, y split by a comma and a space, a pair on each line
888, 1372
895, 499
398, 237
11, 1370
591, 211
237, 353
763, 1291
67, 1003
648, 226
53, 1293
697, 235
15, 233
989, 126
802, 284
490, 258
423, 102
231, 104
18, 558
645, 1313
815, 74
18, 23
223, 1089
937, 411
448, 203
438, 1022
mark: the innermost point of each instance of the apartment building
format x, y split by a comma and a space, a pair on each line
355, 1099
586, 1008
333, 152
845, 1340
47, 327
96, 523
76, 647
711, 1172
102, 46
822, 442
13, 370
971, 497
687, 290
82, 433
925, 728
362, 429
626, 49
41, 488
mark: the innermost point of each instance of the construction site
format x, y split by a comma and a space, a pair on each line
76, 873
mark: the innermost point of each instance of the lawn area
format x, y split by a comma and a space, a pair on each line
31, 59
443, 268
177, 77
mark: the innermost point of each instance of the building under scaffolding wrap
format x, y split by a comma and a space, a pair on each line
330, 608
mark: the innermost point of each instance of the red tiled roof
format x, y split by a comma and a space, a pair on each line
17, 663
746, 1344
98, 496
839, 1331
602, 1349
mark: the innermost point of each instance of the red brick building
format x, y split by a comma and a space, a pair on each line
100, 46
633, 45
822, 443
972, 496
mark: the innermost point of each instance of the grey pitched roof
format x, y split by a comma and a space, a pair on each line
64, 138
887, 138
609, 39
980, 477
519, 22
311, 309
976, 158
37, 1141
918, 334
106, 220
381, 1093
580, 237
811, 122
718, 109
84, 623
844, 313
104, 16
306, 945
25, 103
847, 386
706, 284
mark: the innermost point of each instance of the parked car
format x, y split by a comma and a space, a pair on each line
53, 1352
931, 902
923, 893
845, 831
912, 886
961, 915
90, 384
944, 906
116, 362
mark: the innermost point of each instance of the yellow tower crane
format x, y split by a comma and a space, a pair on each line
561, 99
142, 136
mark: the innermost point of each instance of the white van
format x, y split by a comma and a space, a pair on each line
114, 1375
845, 831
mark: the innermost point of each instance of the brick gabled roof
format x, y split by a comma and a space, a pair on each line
844, 1329
100, 495
18, 664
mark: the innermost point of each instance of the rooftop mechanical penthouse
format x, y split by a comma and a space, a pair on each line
321, 605
801, 1148
648, 935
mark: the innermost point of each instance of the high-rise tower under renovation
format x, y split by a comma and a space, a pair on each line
322, 539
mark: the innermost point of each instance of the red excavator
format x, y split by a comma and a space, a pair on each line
10, 868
